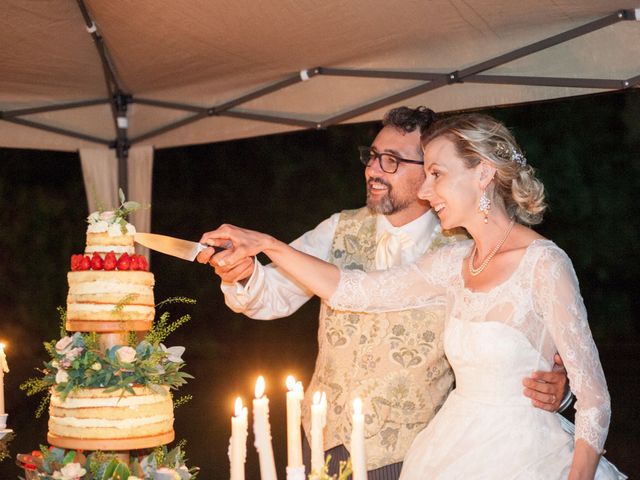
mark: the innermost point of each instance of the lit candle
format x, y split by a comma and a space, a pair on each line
4, 368
262, 432
358, 460
238, 441
294, 440
318, 422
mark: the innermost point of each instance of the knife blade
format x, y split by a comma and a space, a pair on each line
177, 247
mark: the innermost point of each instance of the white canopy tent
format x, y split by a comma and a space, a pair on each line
119, 78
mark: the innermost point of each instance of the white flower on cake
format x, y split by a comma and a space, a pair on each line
166, 474
126, 354
98, 227
174, 353
64, 345
62, 376
71, 471
114, 230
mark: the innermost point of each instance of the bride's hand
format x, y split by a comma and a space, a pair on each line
244, 243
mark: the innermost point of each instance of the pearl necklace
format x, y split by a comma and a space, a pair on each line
477, 271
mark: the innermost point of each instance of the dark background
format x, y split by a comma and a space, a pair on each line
586, 151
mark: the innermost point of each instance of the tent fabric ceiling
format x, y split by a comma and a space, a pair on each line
204, 54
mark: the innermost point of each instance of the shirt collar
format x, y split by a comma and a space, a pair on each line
420, 230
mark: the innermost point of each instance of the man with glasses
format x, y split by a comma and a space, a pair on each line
393, 361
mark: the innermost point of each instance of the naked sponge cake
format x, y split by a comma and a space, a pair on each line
110, 287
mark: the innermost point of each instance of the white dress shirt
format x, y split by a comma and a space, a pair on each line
268, 294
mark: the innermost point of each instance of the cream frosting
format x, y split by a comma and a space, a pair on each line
102, 287
132, 401
106, 423
89, 249
97, 307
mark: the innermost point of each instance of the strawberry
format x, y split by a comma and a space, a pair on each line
85, 263
96, 262
124, 261
135, 263
109, 261
142, 262
75, 262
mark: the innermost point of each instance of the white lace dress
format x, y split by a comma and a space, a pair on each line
487, 428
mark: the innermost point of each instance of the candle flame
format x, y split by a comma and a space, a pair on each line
238, 407
260, 387
291, 382
357, 406
2, 346
316, 398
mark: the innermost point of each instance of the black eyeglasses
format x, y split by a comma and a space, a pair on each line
388, 161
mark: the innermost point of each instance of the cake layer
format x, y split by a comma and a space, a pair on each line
106, 240
112, 296
108, 326
103, 243
94, 414
132, 443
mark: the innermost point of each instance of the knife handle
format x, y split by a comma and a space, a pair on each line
216, 248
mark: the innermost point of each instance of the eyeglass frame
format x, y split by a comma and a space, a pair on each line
374, 154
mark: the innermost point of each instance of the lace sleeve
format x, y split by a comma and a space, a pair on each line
419, 284
557, 296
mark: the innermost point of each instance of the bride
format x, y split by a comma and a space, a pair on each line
512, 302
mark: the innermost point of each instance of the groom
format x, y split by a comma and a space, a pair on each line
393, 361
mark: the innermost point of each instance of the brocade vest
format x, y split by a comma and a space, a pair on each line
393, 361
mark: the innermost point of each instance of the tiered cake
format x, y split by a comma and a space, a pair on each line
110, 374
110, 292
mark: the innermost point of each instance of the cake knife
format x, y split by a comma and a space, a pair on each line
173, 246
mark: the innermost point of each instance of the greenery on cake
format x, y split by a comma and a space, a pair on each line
55, 463
78, 362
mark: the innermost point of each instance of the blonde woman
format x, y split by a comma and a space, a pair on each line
512, 299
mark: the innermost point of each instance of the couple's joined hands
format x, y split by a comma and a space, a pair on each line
236, 264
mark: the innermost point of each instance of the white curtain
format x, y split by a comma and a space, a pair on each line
100, 174
140, 172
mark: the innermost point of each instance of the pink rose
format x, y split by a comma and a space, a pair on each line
63, 345
107, 216
73, 353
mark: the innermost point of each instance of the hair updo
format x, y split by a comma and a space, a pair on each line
480, 137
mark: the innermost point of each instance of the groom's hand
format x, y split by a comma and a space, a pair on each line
547, 389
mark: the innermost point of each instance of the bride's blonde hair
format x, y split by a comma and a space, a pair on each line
482, 138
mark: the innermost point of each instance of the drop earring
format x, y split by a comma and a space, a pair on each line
484, 206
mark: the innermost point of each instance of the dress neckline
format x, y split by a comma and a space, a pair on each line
511, 276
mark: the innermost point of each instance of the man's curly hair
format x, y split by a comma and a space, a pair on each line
409, 119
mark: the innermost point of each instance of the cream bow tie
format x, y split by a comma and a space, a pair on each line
390, 248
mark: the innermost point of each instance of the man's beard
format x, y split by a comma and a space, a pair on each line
386, 205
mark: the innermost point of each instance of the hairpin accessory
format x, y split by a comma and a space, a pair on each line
506, 151
484, 205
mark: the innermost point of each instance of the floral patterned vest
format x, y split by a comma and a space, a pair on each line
393, 361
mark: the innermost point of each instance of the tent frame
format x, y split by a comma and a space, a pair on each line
119, 100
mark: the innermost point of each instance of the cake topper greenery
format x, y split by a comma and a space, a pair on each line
78, 362
113, 221
57, 464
